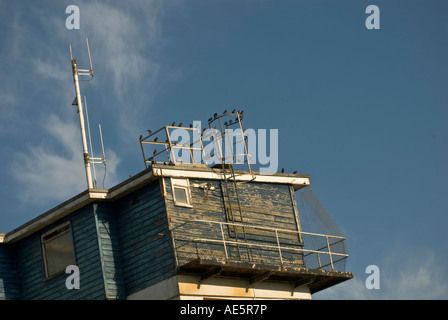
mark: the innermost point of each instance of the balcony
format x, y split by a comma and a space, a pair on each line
258, 253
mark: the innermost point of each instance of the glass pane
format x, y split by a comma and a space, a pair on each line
180, 195
59, 253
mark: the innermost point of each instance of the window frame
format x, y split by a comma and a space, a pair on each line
66, 225
184, 184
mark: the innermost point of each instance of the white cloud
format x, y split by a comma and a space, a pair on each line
49, 69
126, 43
421, 275
54, 170
406, 273
46, 175
126, 39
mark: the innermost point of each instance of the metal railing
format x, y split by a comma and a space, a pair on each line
229, 242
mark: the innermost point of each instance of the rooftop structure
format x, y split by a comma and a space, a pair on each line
176, 231
197, 223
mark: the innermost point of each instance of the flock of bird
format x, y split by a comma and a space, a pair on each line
238, 113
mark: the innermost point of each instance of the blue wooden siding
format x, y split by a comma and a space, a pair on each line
126, 245
120, 248
9, 288
109, 249
30, 264
146, 250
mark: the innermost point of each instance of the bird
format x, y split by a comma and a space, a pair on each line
215, 115
210, 119
225, 123
230, 121
233, 111
225, 111
295, 172
157, 138
155, 151
191, 126
141, 137
180, 124
173, 124
149, 131
283, 170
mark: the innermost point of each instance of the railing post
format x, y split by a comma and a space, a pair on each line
278, 246
329, 252
224, 242
173, 242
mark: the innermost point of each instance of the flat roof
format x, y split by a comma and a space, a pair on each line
139, 180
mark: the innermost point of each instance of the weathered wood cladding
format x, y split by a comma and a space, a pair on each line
124, 243
30, 264
263, 204
120, 247
109, 250
9, 287
257, 204
145, 244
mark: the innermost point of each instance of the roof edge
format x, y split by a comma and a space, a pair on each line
76, 202
142, 178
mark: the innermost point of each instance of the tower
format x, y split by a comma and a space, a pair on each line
198, 222
236, 234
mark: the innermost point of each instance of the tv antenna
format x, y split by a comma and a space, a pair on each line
86, 75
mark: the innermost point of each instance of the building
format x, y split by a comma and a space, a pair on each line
176, 230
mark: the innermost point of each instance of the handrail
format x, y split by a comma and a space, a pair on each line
261, 246
256, 227
298, 248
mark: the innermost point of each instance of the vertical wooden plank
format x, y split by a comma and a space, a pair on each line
30, 271
147, 253
109, 251
296, 210
9, 287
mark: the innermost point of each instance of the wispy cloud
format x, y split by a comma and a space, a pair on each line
46, 174
125, 40
406, 273
53, 170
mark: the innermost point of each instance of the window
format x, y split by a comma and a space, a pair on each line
181, 192
181, 195
58, 250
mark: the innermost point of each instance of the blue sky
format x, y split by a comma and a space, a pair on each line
362, 111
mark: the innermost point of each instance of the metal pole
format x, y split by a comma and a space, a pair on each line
329, 253
224, 243
81, 122
279, 250
102, 145
90, 142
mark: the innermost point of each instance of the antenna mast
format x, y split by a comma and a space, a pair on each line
91, 184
